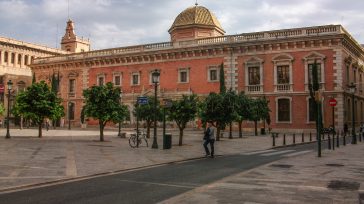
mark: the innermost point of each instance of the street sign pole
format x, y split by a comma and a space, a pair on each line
332, 103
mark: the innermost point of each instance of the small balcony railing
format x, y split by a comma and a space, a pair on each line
283, 87
254, 88
71, 94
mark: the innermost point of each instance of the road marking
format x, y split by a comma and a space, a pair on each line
276, 153
71, 168
258, 152
161, 184
297, 153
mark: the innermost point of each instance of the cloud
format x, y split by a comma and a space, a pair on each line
113, 23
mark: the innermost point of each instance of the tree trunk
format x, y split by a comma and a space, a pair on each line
148, 129
256, 127
40, 130
180, 136
240, 129
230, 130
101, 131
218, 133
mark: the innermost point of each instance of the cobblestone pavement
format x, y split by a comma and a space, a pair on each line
62, 154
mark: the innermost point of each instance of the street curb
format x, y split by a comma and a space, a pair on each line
73, 179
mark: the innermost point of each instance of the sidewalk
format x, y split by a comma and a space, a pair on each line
26, 159
337, 177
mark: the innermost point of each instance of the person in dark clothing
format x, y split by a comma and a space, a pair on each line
209, 138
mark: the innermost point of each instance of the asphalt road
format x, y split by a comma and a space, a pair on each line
149, 185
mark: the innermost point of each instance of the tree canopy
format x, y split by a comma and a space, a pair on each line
38, 102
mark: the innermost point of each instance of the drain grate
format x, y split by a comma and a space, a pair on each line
335, 165
343, 185
285, 166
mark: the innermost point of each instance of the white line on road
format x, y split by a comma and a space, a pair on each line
160, 184
276, 153
258, 152
297, 153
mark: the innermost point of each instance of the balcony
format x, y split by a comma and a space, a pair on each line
71, 94
283, 87
254, 88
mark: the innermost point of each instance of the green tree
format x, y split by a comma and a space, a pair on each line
33, 79
2, 109
102, 103
242, 110
218, 109
146, 113
38, 102
258, 110
183, 111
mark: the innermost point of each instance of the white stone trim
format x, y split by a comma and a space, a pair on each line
98, 76
113, 78
187, 70
132, 76
282, 60
211, 68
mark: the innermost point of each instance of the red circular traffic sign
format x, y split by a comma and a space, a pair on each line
332, 102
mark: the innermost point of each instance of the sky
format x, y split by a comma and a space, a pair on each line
118, 23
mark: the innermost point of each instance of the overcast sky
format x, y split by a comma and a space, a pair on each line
116, 23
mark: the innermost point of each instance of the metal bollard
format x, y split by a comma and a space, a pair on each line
328, 141
338, 139
360, 136
344, 139
284, 139
310, 137
333, 141
294, 138
274, 139
303, 137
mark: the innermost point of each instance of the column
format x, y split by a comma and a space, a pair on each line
1, 57
16, 60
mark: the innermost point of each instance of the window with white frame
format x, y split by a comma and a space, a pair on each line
135, 79
213, 74
309, 61
72, 86
310, 67
311, 110
183, 75
283, 110
117, 79
283, 74
254, 75
100, 79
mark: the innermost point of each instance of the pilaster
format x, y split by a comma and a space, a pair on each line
231, 71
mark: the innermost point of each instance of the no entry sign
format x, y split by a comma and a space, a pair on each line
332, 102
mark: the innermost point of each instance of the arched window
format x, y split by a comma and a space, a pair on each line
19, 59
6, 57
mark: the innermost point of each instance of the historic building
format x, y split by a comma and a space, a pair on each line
275, 64
15, 57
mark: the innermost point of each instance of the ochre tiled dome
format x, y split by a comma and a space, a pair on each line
196, 15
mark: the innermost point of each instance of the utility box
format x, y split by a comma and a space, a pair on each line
167, 141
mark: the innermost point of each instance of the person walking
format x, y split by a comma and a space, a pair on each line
209, 138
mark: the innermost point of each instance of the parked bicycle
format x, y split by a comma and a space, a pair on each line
142, 139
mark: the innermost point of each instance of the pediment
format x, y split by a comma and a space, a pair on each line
283, 57
314, 55
72, 74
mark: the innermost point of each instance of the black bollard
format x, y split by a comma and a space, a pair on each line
303, 137
344, 139
274, 139
333, 141
310, 137
360, 137
328, 141
338, 139
294, 138
284, 139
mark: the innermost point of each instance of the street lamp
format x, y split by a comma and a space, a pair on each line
10, 86
69, 114
352, 88
120, 101
155, 80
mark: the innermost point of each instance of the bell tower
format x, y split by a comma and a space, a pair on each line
71, 43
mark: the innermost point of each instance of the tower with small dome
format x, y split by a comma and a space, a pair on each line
71, 43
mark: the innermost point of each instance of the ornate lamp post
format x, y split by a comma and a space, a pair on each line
10, 86
352, 88
69, 114
119, 132
155, 80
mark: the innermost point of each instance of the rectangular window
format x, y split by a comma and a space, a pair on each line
318, 72
26, 60
6, 57
135, 79
254, 75
283, 74
19, 58
72, 84
117, 80
12, 58
284, 110
101, 80
213, 75
71, 111
183, 77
